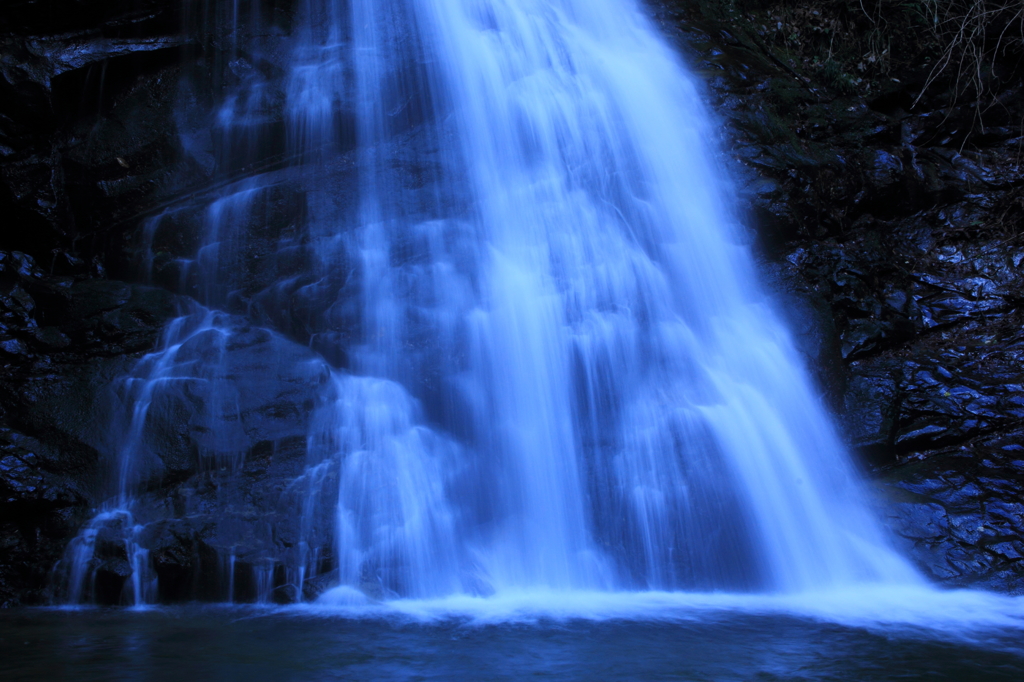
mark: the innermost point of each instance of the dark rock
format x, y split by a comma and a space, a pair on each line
219, 456
961, 512
236, 387
870, 410
62, 342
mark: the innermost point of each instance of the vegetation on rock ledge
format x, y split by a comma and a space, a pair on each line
953, 50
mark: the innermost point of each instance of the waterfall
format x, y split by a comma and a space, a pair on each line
553, 367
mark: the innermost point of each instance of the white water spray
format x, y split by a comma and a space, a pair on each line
564, 288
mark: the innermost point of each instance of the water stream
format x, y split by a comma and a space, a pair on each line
542, 361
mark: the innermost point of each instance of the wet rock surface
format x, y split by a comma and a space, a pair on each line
87, 91
62, 341
899, 211
960, 511
106, 113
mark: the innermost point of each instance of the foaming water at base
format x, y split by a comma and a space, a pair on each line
963, 615
968, 616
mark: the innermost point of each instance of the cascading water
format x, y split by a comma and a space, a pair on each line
559, 370
572, 288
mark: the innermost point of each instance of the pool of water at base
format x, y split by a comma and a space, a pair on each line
227, 643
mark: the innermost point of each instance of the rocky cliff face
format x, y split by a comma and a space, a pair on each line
92, 140
890, 212
891, 231
108, 118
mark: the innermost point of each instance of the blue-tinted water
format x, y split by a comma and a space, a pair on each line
557, 368
250, 644
555, 379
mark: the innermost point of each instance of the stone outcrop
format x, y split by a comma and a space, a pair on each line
92, 140
62, 341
